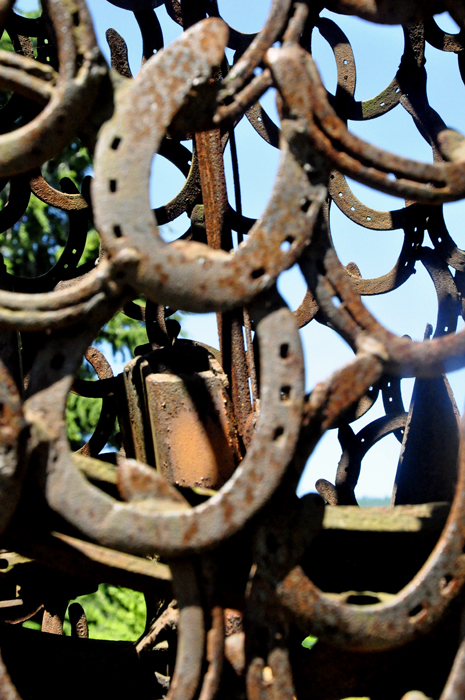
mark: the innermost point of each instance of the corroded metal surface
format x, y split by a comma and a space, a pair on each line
198, 508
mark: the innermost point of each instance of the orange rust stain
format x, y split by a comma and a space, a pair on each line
190, 533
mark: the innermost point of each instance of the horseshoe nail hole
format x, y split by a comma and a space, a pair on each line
259, 119
113, 185
362, 439
416, 611
445, 584
391, 399
336, 301
285, 245
255, 274
397, 91
57, 361
339, 194
391, 176
370, 388
446, 329
363, 600
75, 16
117, 231
345, 61
284, 350
388, 384
4, 564
381, 104
332, 176
285, 393
279, 431
115, 143
74, 251
305, 205
271, 543
439, 239
368, 218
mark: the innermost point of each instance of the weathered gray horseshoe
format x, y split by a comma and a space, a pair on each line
190, 275
143, 530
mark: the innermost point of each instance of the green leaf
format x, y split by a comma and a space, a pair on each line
309, 642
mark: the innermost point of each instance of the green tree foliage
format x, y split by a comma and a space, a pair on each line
34, 244
368, 502
113, 613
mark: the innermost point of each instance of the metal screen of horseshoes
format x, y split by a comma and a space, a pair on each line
198, 508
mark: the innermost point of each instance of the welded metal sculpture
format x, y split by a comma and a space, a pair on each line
198, 508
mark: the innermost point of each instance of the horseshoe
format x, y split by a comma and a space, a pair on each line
65, 307
130, 528
107, 417
75, 92
418, 607
189, 275
411, 613
254, 53
191, 631
349, 467
443, 241
54, 198
413, 223
368, 164
16, 205
441, 40
344, 101
403, 357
